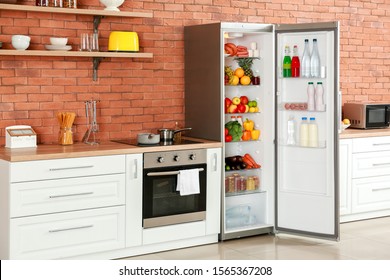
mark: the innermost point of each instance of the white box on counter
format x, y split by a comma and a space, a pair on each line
20, 136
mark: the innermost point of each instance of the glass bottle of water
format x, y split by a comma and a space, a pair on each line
315, 65
305, 63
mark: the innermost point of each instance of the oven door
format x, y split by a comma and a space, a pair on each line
163, 205
377, 116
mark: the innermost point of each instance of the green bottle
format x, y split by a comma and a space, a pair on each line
287, 62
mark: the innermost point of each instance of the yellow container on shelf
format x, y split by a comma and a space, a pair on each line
123, 41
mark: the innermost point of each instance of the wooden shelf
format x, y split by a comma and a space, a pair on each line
97, 14
29, 8
75, 53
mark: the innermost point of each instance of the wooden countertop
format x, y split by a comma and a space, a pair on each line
55, 151
359, 133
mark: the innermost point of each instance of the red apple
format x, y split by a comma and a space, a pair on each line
232, 109
244, 100
241, 108
228, 102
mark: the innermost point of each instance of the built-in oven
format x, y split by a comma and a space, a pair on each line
163, 203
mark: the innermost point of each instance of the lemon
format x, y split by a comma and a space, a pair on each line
346, 121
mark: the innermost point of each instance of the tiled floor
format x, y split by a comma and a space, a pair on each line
363, 240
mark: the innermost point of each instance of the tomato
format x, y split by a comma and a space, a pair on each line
228, 138
226, 131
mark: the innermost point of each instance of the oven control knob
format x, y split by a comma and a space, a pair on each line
176, 158
160, 159
192, 157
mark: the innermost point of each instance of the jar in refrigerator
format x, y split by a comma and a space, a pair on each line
242, 186
257, 182
237, 182
230, 184
43, 3
70, 3
250, 184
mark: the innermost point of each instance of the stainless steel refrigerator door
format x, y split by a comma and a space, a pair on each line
307, 177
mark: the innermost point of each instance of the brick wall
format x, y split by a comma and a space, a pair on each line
145, 94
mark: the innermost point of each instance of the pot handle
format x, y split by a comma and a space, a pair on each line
182, 129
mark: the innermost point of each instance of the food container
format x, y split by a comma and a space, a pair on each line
148, 138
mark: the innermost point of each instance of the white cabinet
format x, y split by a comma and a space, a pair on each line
134, 200
62, 208
345, 175
364, 178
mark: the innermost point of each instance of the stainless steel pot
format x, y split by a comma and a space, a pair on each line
167, 134
148, 138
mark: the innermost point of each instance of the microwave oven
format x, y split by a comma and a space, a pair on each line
367, 115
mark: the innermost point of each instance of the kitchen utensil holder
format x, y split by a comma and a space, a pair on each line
91, 135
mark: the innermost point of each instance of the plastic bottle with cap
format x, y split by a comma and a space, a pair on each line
315, 65
304, 133
319, 97
310, 97
313, 133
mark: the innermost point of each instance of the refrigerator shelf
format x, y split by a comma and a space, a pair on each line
229, 194
238, 86
235, 142
321, 145
247, 227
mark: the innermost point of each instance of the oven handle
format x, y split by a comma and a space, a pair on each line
166, 173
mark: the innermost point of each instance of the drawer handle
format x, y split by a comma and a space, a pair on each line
381, 164
66, 229
69, 168
71, 194
381, 189
380, 144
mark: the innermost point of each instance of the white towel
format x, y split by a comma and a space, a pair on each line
188, 182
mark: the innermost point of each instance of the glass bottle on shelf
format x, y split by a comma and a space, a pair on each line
295, 63
287, 62
305, 65
315, 65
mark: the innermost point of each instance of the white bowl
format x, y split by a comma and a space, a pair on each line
57, 41
20, 42
112, 5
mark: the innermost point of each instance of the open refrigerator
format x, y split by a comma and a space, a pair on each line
294, 188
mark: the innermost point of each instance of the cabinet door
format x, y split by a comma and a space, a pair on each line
213, 206
345, 175
68, 234
133, 200
50, 196
370, 194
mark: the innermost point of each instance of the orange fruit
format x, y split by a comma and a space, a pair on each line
245, 80
239, 72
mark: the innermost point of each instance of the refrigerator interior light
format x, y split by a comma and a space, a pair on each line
234, 34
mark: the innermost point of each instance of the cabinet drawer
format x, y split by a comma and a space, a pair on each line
370, 164
67, 234
66, 168
370, 194
40, 197
371, 144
